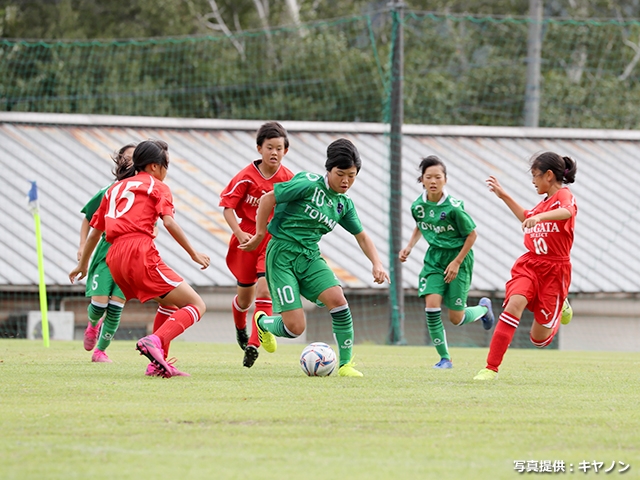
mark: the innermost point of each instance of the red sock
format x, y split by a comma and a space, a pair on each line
239, 315
162, 315
502, 336
178, 323
262, 305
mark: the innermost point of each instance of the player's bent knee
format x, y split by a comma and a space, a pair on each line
200, 306
541, 343
296, 327
295, 330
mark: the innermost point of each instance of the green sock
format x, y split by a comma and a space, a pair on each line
95, 311
471, 314
275, 325
436, 332
342, 325
110, 324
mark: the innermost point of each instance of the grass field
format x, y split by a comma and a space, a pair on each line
63, 417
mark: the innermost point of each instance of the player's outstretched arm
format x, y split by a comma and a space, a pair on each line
179, 236
452, 269
80, 271
369, 249
556, 214
495, 187
267, 204
230, 216
406, 251
84, 233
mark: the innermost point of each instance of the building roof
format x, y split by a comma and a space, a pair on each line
68, 156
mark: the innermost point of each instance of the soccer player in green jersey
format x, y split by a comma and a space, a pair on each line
106, 297
448, 262
307, 207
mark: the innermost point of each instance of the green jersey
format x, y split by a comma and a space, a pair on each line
92, 205
444, 224
307, 208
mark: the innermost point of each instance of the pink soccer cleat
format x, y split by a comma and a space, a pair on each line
151, 347
174, 371
100, 357
153, 371
91, 334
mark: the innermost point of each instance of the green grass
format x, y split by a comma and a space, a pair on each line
62, 417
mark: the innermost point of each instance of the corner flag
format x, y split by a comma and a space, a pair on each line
35, 210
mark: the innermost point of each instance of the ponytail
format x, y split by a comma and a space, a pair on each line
124, 165
571, 168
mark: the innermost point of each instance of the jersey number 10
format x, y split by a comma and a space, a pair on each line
541, 246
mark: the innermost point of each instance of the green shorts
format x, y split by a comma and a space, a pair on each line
431, 280
292, 271
99, 280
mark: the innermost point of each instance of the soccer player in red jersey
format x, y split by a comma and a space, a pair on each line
240, 200
128, 214
541, 277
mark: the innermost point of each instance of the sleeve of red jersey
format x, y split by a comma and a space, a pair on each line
164, 201
567, 200
97, 221
235, 191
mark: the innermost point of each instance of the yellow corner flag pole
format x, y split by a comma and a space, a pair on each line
33, 205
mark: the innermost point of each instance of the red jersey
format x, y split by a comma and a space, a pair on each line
244, 191
552, 239
133, 205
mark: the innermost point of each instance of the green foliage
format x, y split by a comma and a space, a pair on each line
64, 417
472, 71
90, 19
465, 72
324, 71
99, 19
459, 70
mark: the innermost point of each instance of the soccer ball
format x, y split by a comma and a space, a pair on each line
318, 360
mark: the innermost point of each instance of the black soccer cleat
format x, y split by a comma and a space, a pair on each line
250, 356
242, 337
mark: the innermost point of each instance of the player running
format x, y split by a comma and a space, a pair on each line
128, 214
541, 277
448, 262
240, 199
106, 296
306, 208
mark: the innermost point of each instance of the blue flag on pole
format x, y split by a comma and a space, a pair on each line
33, 197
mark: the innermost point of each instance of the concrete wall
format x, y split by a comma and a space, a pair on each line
599, 324
602, 325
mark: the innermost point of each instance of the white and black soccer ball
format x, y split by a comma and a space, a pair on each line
318, 360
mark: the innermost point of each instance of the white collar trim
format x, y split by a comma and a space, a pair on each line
444, 197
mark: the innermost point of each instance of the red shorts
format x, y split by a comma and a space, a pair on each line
545, 284
137, 268
246, 266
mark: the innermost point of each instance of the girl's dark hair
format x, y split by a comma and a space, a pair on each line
564, 168
271, 130
342, 154
148, 153
123, 165
431, 161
